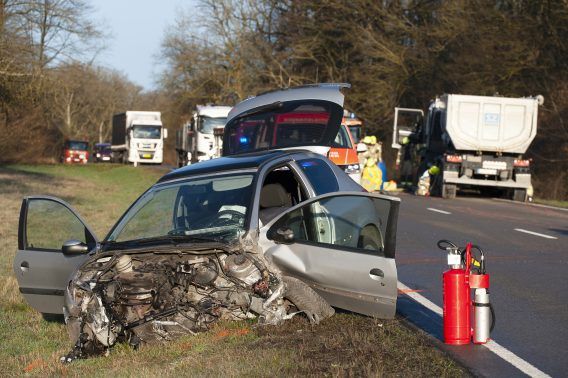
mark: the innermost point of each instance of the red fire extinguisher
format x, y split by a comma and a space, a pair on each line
466, 273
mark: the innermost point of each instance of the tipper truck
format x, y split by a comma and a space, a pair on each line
473, 141
201, 138
138, 137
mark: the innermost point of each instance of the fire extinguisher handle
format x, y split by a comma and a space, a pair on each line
444, 244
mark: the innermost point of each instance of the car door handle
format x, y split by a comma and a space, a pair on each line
24, 266
376, 274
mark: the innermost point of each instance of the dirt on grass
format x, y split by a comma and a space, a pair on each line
345, 345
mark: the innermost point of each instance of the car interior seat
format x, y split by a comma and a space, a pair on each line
274, 199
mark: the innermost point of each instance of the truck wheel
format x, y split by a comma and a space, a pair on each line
449, 191
520, 195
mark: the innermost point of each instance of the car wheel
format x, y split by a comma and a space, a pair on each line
307, 300
370, 238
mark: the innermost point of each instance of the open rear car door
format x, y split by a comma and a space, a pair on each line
303, 117
53, 241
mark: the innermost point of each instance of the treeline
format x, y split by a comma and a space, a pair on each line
49, 87
394, 53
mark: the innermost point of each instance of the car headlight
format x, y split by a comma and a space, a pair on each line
352, 168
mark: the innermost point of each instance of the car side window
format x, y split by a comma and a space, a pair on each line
349, 222
321, 176
49, 224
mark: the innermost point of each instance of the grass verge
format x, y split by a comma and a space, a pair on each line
346, 344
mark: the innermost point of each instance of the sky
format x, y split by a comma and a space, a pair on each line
135, 29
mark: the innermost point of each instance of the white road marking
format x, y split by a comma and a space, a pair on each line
499, 350
438, 210
535, 233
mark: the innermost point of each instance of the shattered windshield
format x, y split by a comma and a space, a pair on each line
206, 209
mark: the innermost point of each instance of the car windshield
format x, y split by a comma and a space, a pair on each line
73, 145
207, 124
342, 139
146, 132
204, 209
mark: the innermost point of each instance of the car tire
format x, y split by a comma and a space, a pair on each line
370, 238
53, 318
449, 191
307, 300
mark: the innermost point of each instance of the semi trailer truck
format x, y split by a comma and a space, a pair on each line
138, 137
473, 141
201, 138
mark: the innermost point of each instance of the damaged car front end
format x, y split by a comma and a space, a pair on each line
154, 296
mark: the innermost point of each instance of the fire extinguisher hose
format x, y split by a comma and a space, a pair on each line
492, 317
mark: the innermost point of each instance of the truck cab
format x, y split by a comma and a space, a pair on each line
138, 137
75, 151
201, 138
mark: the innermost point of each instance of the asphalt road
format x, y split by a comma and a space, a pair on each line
529, 272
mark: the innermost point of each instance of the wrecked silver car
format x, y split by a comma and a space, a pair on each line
268, 231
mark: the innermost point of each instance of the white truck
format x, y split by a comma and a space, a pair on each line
201, 138
475, 141
138, 137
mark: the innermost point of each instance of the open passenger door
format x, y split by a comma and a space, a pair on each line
406, 122
53, 241
343, 245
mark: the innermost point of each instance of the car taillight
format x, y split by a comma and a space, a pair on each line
453, 158
521, 163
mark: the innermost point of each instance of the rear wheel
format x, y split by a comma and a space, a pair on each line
449, 191
520, 195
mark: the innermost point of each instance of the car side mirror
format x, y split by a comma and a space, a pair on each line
283, 235
74, 247
165, 133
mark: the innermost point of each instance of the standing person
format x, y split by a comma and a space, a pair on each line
371, 178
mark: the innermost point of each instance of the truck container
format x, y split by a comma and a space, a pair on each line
201, 138
138, 137
475, 141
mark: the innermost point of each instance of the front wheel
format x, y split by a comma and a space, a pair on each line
449, 191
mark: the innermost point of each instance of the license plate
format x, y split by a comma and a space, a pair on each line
486, 171
106, 158
147, 156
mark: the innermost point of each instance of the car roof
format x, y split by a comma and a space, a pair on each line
229, 163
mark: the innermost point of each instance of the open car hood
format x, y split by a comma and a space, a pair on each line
302, 117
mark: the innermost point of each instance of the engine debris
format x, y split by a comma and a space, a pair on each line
142, 298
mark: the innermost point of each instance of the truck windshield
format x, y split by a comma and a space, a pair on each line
146, 132
74, 145
196, 209
355, 133
342, 139
207, 124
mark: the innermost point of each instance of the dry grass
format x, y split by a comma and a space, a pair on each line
346, 344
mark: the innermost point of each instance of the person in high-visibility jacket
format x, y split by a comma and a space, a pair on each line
372, 177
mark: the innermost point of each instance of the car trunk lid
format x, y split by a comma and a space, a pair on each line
304, 117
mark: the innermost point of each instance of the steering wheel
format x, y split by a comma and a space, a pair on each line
233, 213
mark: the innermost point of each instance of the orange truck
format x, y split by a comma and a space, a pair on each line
343, 152
354, 124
